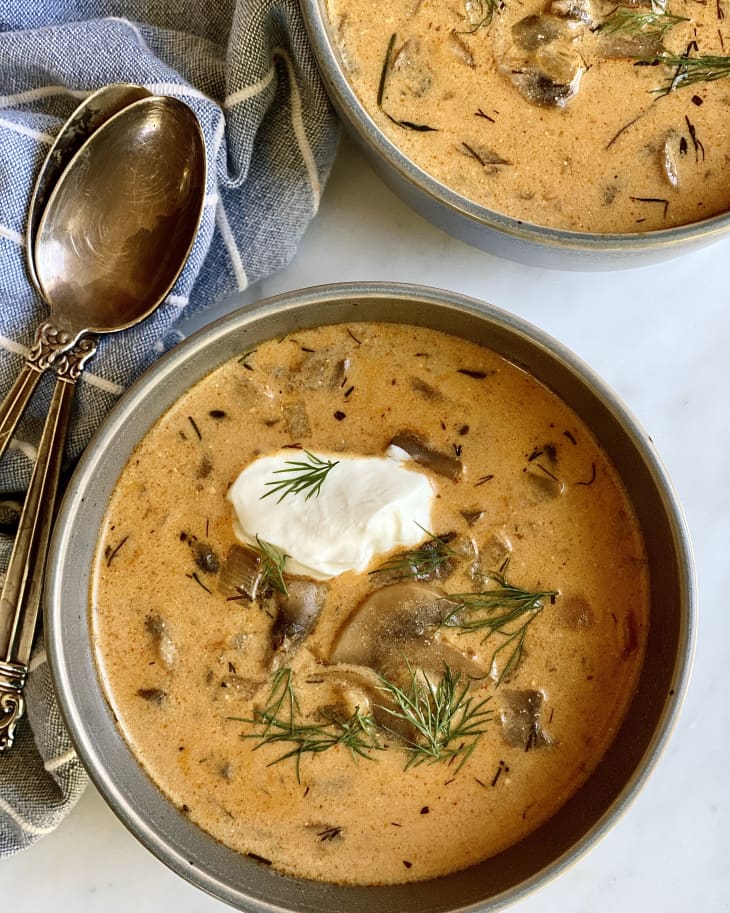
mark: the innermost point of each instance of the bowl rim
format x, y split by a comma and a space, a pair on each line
69, 682
369, 134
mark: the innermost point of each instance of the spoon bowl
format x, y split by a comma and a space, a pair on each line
120, 223
86, 118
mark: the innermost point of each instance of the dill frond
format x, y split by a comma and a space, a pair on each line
305, 475
273, 560
447, 723
505, 610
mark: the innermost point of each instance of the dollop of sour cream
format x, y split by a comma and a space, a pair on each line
366, 506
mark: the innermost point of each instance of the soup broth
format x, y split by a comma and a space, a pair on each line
519, 622
573, 114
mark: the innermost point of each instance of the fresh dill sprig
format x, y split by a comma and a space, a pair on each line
654, 23
446, 721
305, 475
273, 560
279, 724
422, 562
282, 702
690, 70
485, 11
506, 610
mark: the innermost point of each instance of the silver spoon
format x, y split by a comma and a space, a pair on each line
85, 119
113, 239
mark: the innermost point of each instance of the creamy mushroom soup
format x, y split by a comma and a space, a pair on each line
369, 603
577, 114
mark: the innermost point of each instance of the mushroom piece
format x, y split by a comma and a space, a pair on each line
426, 390
550, 81
619, 46
296, 612
396, 628
387, 621
410, 65
460, 49
428, 657
296, 420
360, 689
159, 631
574, 613
417, 449
577, 10
544, 487
325, 369
519, 714
532, 32
542, 63
671, 152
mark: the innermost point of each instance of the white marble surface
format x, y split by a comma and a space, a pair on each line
660, 336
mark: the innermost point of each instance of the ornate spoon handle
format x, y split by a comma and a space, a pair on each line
49, 344
21, 593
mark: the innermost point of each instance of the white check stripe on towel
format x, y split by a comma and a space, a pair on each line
22, 822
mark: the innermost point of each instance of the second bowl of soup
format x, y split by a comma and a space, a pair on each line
567, 134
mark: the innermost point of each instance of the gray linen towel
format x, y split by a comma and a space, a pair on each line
246, 70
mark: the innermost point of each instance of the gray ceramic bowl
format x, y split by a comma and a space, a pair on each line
583, 820
475, 224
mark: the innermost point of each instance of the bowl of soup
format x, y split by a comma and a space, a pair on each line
582, 135
369, 597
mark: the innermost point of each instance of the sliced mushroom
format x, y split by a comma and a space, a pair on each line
494, 551
549, 83
574, 612
387, 621
460, 49
441, 463
670, 155
544, 487
619, 45
436, 559
542, 63
533, 32
296, 612
425, 389
427, 657
296, 420
472, 516
159, 631
154, 695
239, 686
360, 689
519, 714
412, 67
325, 369
395, 633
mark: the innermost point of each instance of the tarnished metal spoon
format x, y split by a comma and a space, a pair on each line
115, 234
85, 119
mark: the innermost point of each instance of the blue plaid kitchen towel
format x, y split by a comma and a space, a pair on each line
245, 68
